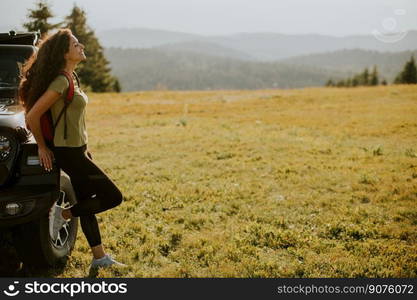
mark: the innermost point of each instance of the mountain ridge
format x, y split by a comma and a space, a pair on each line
266, 46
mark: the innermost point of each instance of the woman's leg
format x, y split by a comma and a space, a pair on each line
91, 231
95, 191
98, 251
88, 180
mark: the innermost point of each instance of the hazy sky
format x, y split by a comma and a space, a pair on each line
334, 17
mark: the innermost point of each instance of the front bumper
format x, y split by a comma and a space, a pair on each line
34, 202
31, 190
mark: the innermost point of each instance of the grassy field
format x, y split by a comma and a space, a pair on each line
274, 183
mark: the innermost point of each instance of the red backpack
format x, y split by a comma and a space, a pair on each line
47, 125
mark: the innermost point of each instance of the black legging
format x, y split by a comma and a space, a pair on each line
94, 190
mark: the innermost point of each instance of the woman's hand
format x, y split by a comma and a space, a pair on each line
46, 157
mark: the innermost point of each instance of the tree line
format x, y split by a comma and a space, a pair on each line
150, 69
407, 76
95, 73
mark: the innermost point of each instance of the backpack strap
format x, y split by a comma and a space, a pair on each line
70, 93
68, 100
77, 79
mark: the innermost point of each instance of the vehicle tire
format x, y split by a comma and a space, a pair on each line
33, 241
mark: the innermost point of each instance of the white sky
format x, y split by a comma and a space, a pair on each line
333, 17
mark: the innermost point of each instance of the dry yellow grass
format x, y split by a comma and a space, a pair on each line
275, 183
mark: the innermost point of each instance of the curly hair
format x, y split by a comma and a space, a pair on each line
43, 67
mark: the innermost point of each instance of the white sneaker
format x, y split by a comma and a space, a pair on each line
106, 261
56, 220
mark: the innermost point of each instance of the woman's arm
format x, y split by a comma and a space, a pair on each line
33, 118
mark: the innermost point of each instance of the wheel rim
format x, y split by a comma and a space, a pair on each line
64, 231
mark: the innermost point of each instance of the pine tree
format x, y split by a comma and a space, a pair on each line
409, 74
374, 77
94, 72
365, 77
38, 19
117, 88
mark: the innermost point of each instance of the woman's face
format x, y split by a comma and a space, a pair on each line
76, 51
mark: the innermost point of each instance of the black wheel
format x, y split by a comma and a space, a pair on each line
35, 245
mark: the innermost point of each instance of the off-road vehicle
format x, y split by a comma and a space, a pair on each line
27, 191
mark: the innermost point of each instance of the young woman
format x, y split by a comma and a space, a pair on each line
42, 88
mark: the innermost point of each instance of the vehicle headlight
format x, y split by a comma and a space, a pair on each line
5, 147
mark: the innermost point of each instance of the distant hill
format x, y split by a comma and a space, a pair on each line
149, 69
273, 46
182, 61
207, 48
352, 61
258, 46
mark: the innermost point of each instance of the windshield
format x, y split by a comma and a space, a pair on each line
10, 66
